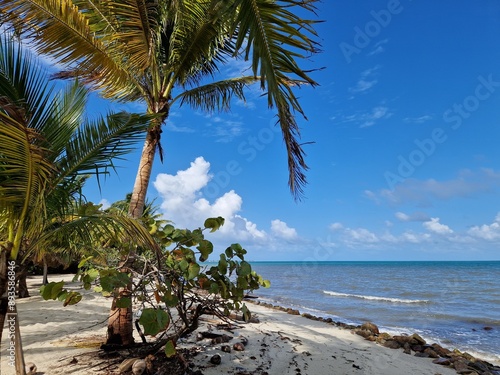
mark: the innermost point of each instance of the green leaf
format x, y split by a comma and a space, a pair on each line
83, 261
72, 298
170, 349
206, 248
222, 264
193, 270
214, 223
154, 321
245, 269
123, 302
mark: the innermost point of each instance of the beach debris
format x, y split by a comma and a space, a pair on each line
225, 348
216, 359
127, 364
138, 367
243, 340
30, 368
239, 347
221, 339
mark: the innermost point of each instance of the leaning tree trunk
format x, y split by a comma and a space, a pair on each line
14, 349
21, 276
120, 322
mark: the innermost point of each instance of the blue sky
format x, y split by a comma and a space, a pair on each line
405, 163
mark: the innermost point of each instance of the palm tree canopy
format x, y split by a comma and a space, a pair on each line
160, 51
46, 147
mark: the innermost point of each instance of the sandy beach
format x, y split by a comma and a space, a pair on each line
65, 340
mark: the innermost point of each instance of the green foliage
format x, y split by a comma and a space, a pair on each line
179, 278
154, 321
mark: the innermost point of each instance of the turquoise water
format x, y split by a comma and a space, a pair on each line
447, 302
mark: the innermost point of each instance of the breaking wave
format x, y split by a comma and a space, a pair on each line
374, 298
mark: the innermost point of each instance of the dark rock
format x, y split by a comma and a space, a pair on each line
363, 333
407, 349
419, 339
461, 366
243, 340
307, 315
422, 355
443, 352
417, 348
479, 365
392, 344
368, 326
239, 347
292, 312
225, 348
488, 328
216, 359
442, 361
328, 320
431, 353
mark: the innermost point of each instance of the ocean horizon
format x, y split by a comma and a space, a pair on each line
453, 303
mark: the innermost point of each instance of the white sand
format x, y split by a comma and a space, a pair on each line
280, 344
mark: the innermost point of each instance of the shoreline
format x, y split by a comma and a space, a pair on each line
65, 340
393, 331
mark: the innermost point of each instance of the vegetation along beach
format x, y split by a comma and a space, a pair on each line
266, 187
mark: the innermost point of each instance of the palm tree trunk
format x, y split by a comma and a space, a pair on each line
120, 321
143, 177
16, 351
45, 272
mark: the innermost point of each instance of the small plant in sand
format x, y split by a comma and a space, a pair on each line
172, 289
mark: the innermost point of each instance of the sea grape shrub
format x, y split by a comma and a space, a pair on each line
180, 279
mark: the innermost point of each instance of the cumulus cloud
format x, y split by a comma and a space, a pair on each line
282, 230
183, 202
434, 226
488, 232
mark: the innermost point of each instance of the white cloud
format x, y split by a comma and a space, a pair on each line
416, 216
433, 225
361, 235
336, 226
418, 120
183, 203
366, 81
282, 230
378, 48
105, 204
487, 232
367, 119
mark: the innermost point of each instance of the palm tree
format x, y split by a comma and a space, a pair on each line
46, 144
163, 53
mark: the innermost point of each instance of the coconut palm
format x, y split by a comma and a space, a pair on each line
46, 145
168, 52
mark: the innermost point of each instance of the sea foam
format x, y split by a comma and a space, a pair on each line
375, 298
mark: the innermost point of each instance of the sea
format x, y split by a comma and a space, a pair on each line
456, 304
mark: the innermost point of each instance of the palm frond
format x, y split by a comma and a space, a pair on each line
274, 37
95, 145
63, 32
216, 96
